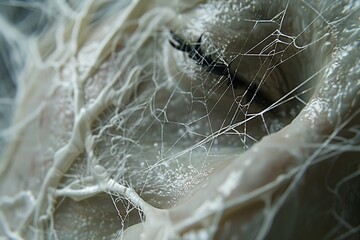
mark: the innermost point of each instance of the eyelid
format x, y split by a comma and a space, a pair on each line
237, 75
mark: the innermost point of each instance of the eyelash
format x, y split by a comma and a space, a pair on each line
221, 69
195, 52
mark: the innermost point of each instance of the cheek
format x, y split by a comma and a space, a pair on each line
129, 112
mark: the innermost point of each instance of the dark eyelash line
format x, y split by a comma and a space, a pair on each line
196, 53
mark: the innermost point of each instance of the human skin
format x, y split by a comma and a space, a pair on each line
117, 134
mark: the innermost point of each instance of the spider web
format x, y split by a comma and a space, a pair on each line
145, 125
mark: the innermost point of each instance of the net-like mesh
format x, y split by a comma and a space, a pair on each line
125, 109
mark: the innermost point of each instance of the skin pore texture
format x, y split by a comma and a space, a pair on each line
109, 131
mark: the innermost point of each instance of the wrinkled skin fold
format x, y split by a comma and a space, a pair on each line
115, 133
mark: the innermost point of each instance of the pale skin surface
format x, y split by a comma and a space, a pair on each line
114, 133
